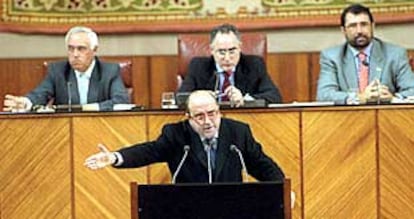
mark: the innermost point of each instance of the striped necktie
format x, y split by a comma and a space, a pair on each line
363, 71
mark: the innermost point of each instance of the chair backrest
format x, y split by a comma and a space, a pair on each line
126, 74
191, 45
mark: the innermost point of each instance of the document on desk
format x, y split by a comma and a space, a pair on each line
300, 104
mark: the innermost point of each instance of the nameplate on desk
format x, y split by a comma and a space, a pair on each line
257, 103
300, 104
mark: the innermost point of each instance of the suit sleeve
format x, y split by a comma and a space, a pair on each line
328, 86
143, 154
115, 85
265, 89
404, 75
46, 89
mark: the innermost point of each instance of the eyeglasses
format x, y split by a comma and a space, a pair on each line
201, 117
363, 25
231, 51
81, 49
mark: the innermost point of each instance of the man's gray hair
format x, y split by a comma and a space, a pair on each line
93, 37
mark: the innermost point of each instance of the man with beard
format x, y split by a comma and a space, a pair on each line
207, 137
364, 69
81, 79
236, 76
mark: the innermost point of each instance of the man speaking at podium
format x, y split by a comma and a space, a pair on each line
81, 80
205, 148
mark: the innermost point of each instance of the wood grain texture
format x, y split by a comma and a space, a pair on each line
290, 72
339, 164
396, 163
279, 135
105, 191
35, 168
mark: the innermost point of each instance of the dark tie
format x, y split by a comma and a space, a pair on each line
363, 71
226, 84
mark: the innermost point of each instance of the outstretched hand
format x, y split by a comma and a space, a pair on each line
100, 159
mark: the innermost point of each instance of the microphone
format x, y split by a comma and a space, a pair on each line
69, 85
237, 150
207, 148
365, 62
186, 150
217, 85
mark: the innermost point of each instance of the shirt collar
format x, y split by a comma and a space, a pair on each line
367, 50
219, 69
87, 74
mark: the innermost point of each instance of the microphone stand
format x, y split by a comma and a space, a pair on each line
237, 150
210, 172
69, 85
186, 149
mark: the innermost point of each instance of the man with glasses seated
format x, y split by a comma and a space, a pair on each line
233, 75
207, 137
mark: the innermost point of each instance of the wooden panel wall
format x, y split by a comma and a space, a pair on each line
35, 168
295, 74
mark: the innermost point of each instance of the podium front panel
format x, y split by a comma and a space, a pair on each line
253, 200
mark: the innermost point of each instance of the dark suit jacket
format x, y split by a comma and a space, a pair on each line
169, 148
250, 77
105, 87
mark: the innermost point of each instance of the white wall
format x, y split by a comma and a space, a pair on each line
287, 40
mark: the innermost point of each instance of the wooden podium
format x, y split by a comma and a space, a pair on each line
220, 200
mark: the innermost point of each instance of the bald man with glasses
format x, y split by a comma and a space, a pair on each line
207, 137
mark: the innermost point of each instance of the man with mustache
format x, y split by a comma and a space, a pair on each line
235, 75
81, 79
364, 69
208, 136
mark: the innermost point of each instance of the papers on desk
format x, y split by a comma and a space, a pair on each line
123, 107
300, 104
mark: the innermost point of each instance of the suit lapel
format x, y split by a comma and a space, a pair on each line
223, 148
93, 90
240, 78
350, 71
376, 62
74, 90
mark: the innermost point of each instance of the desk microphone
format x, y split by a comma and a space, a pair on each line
237, 150
186, 150
365, 62
217, 90
69, 86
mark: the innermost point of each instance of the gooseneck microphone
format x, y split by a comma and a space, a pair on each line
69, 86
239, 153
186, 150
217, 89
365, 62
209, 168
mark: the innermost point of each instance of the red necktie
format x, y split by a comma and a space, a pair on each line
363, 71
226, 83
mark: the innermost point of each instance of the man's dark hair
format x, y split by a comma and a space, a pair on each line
224, 28
356, 9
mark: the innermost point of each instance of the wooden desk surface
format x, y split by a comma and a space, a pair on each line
344, 162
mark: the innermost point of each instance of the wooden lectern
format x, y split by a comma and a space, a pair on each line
220, 200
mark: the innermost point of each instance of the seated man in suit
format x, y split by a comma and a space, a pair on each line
364, 69
206, 136
81, 79
233, 74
